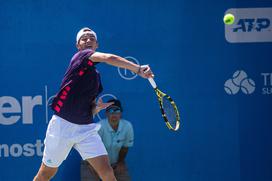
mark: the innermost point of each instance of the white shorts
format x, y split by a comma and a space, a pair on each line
62, 136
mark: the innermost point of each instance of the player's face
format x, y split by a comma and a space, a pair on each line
87, 41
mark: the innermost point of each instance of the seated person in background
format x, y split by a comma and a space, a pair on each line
117, 136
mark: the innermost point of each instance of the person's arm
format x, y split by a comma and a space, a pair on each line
120, 166
115, 60
122, 155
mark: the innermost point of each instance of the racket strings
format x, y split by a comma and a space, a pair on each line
169, 111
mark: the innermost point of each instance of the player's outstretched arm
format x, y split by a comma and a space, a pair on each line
115, 60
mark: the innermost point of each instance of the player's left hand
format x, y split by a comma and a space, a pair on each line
102, 105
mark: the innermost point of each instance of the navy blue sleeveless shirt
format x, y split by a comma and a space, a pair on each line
79, 88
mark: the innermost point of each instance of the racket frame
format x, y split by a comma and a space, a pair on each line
160, 95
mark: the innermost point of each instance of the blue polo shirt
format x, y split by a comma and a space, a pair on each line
79, 88
115, 140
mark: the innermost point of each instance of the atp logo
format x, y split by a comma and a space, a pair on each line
239, 81
251, 24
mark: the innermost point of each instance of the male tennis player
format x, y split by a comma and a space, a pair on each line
74, 106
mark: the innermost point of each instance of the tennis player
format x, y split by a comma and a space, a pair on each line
72, 124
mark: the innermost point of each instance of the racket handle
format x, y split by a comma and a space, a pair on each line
152, 82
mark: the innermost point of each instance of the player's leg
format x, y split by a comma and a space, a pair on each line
102, 166
92, 149
45, 173
57, 147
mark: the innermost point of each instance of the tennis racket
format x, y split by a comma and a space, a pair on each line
168, 108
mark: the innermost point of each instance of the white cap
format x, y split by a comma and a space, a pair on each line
85, 31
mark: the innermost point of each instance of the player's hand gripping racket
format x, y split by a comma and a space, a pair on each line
168, 108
